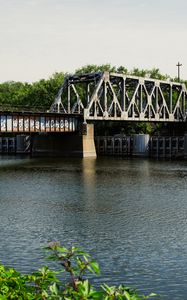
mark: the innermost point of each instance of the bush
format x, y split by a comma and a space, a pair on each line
45, 284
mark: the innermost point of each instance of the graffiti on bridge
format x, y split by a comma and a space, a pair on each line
37, 123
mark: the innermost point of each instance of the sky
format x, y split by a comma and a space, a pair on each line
41, 37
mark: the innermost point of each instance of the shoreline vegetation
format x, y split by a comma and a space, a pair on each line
45, 284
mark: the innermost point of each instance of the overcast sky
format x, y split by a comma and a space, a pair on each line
40, 37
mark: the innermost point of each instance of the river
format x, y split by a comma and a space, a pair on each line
131, 214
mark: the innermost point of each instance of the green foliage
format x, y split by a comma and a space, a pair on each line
95, 68
44, 284
127, 128
43, 92
101, 68
37, 94
14, 92
153, 73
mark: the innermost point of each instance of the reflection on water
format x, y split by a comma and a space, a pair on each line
131, 214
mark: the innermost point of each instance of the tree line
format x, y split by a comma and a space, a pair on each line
42, 93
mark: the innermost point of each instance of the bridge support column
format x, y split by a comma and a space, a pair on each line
88, 145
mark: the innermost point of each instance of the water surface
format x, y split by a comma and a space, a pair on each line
130, 214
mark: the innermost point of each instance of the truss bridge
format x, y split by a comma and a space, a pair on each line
112, 96
67, 128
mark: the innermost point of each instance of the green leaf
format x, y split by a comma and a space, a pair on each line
54, 289
62, 249
95, 266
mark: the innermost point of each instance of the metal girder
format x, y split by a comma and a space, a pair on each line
37, 122
113, 96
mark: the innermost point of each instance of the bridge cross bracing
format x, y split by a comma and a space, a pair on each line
113, 96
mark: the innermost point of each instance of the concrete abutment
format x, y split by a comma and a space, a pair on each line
78, 144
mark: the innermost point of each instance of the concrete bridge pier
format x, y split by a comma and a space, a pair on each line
79, 144
88, 144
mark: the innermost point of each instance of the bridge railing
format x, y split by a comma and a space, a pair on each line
25, 108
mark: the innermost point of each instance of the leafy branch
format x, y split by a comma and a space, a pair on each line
44, 284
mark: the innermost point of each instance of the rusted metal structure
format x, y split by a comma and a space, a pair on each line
25, 122
112, 96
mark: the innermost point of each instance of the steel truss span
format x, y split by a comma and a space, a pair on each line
112, 96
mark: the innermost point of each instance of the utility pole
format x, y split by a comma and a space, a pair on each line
178, 66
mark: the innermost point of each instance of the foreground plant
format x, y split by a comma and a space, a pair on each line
45, 284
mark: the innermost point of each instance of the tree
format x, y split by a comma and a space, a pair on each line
40, 93
95, 68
